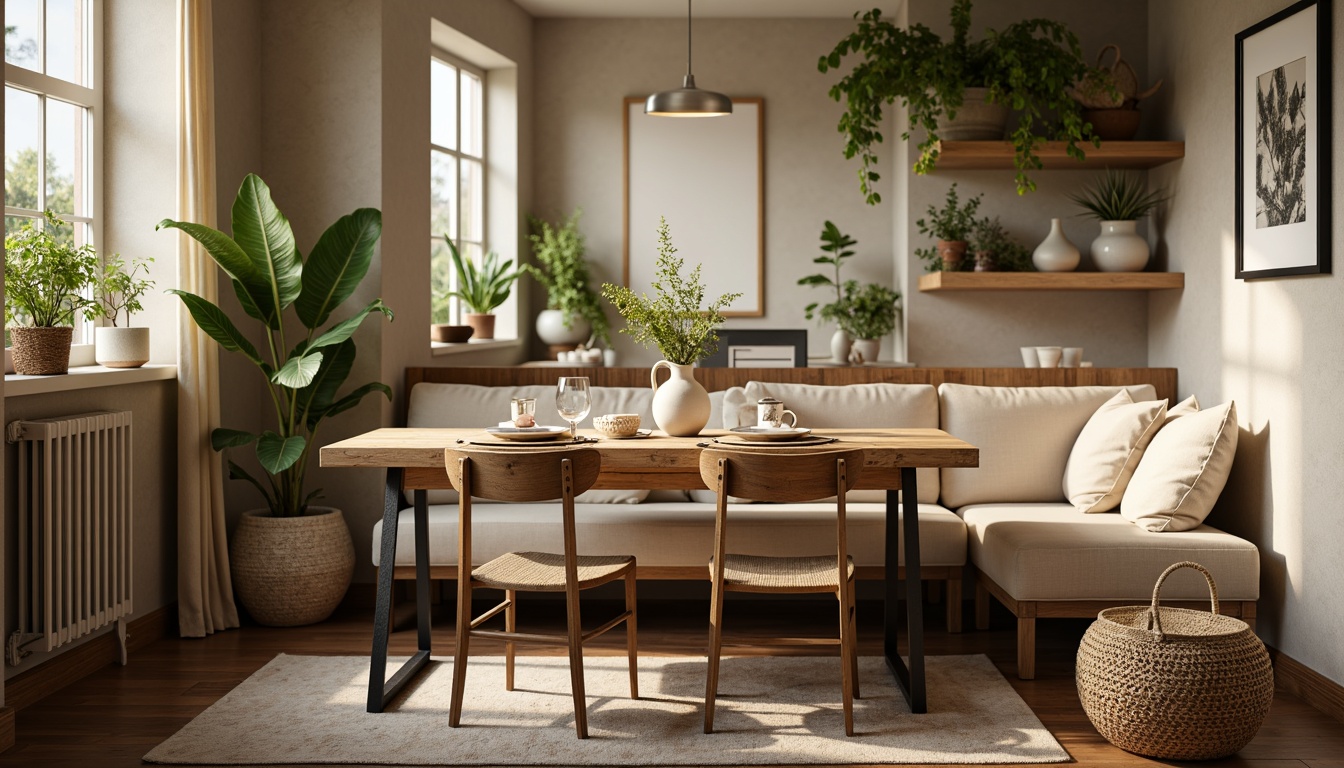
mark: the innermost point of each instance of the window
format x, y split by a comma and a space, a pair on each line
457, 176
52, 99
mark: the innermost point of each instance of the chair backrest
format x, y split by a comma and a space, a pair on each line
771, 475
522, 475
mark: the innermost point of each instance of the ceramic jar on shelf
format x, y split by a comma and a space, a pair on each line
1056, 253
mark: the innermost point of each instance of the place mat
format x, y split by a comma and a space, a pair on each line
772, 710
802, 442
528, 444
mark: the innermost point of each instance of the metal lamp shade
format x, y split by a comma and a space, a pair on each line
688, 101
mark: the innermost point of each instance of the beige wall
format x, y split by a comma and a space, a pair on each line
1273, 346
587, 66
987, 328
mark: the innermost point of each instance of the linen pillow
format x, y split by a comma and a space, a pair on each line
1184, 408
1108, 450
1183, 471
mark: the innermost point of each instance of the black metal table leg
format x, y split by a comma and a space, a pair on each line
381, 690
909, 678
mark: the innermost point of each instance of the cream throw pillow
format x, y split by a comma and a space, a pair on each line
1108, 450
1183, 471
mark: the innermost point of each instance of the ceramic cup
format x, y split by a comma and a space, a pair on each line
771, 414
1049, 356
1071, 358
1029, 358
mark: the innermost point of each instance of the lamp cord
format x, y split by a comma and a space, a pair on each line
688, 38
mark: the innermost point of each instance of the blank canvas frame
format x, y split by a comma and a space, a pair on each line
707, 177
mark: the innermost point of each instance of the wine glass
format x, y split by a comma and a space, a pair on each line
572, 400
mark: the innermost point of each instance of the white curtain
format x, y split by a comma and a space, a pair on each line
204, 584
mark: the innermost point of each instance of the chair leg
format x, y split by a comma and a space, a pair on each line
1026, 648
846, 657
632, 632
510, 625
463, 631
576, 664
981, 605
954, 604
715, 647
854, 638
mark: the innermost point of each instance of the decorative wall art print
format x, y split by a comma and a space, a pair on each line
1283, 143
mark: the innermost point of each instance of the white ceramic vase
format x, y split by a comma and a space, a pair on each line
680, 405
1056, 253
868, 348
121, 347
840, 346
551, 328
1119, 248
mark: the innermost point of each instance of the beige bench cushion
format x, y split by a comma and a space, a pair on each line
676, 534
1024, 435
850, 406
1056, 552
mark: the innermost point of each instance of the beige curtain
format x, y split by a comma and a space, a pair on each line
204, 585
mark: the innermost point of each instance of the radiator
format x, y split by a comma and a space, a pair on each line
74, 542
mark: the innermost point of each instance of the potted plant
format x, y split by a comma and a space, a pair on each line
683, 330
292, 560
995, 250
573, 312
951, 226
1118, 201
872, 312
481, 288
1029, 65
835, 246
45, 276
117, 290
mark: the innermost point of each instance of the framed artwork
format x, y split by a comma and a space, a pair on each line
1283, 143
707, 178
751, 348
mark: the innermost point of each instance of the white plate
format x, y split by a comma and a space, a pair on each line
771, 433
528, 433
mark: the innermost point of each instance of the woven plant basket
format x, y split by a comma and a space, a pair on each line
291, 571
1174, 683
41, 351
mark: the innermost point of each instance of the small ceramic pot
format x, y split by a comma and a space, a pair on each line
1119, 248
482, 326
952, 252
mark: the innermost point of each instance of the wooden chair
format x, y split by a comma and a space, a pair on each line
782, 477
520, 476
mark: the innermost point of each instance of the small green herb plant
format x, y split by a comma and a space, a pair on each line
562, 269
117, 290
872, 311
485, 287
953, 222
1118, 197
836, 247
674, 321
991, 237
46, 274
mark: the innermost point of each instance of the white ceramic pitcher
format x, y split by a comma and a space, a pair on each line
680, 405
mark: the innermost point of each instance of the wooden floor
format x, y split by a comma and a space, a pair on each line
113, 717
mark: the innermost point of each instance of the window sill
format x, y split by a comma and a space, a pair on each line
85, 377
439, 348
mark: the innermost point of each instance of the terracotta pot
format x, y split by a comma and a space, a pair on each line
985, 262
291, 571
952, 252
1113, 124
41, 351
450, 334
483, 326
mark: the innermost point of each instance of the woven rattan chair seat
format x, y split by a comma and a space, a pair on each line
783, 573
545, 572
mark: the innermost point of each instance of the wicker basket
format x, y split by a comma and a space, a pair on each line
41, 351
291, 571
1174, 683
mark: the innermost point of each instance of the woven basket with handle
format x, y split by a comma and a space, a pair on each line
1174, 683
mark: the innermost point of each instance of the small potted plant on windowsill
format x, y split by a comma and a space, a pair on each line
951, 226
45, 276
573, 311
481, 288
683, 330
117, 291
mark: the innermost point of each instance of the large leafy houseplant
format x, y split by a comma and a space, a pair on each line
674, 321
302, 376
1028, 66
562, 269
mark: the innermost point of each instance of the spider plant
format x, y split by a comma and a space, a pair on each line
1118, 197
485, 287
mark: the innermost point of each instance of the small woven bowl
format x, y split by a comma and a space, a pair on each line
617, 424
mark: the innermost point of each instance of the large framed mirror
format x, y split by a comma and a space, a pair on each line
706, 176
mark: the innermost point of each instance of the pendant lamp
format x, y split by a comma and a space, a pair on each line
688, 101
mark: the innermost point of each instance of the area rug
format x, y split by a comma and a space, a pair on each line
771, 711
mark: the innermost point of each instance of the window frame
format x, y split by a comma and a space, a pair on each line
455, 312
88, 97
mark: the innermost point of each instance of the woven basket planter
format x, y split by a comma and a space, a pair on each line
291, 571
1174, 683
41, 351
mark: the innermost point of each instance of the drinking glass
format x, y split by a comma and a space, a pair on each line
572, 400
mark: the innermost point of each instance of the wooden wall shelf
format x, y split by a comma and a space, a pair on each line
998, 155
1051, 281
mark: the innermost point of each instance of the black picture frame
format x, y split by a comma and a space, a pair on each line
757, 338
1283, 224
